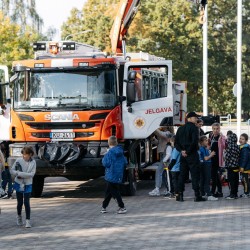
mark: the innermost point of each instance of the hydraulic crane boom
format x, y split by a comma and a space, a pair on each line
126, 13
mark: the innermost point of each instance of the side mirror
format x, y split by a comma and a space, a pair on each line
130, 91
132, 75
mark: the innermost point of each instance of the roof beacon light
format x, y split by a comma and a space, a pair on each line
53, 48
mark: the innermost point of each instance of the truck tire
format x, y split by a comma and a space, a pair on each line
130, 186
132, 182
37, 188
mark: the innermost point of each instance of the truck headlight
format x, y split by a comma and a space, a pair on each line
92, 152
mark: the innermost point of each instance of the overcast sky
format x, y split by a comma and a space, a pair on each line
55, 12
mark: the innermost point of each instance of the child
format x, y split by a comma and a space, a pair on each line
6, 176
24, 170
167, 176
7, 180
232, 154
205, 174
244, 163
174, 167
114, 162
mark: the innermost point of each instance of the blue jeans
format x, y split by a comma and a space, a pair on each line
205, 179
6, 179
159, 171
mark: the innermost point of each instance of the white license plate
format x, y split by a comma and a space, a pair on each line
62, 135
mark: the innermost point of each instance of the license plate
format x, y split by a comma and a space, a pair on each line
62, 135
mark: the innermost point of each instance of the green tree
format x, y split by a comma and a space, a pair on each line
246, 59
170, 29
13, 45
97, 16
22, 12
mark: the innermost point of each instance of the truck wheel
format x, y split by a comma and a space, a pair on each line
130, 186
37, 188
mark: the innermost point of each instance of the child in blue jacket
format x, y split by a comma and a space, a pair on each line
205, 168
244, 163
114, 162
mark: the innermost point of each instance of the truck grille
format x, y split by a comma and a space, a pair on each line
61, 125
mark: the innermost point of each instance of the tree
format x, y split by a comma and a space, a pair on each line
97, 16
13, 45
22, 12
170, 29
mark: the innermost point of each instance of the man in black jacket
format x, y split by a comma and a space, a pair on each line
187, 142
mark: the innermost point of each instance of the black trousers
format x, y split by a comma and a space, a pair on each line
190, 163
215, 176
23, 198
175, 178
233, 178
112, 190
245, 183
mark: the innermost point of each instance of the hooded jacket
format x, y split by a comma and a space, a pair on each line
114, 162
244, 161
232, 153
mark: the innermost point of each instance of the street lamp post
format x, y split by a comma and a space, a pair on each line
81, 32
239, 67
205, 62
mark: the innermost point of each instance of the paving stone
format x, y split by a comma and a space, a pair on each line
70, 218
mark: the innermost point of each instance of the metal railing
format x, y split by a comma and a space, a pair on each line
227, 120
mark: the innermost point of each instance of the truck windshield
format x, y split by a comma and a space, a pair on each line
65, 89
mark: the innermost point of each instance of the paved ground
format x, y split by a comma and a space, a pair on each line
68, 217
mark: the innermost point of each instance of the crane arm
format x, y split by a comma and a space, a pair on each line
126, 12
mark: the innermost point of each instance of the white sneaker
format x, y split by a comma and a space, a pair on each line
212, 198
4, 196
244, 195
19, 220
122, 210
28, 225
103, 210
155, 192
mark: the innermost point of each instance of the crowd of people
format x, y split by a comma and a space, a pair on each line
205, 156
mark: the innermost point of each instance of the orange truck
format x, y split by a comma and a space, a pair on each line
69, 99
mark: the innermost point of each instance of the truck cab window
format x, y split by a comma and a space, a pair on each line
150, 83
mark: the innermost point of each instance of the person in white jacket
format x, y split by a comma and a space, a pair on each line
24, 170
162, 141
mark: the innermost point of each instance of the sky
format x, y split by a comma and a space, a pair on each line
55, 12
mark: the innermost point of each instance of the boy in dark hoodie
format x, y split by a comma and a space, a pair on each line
232, 164
114, 162
244, 164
